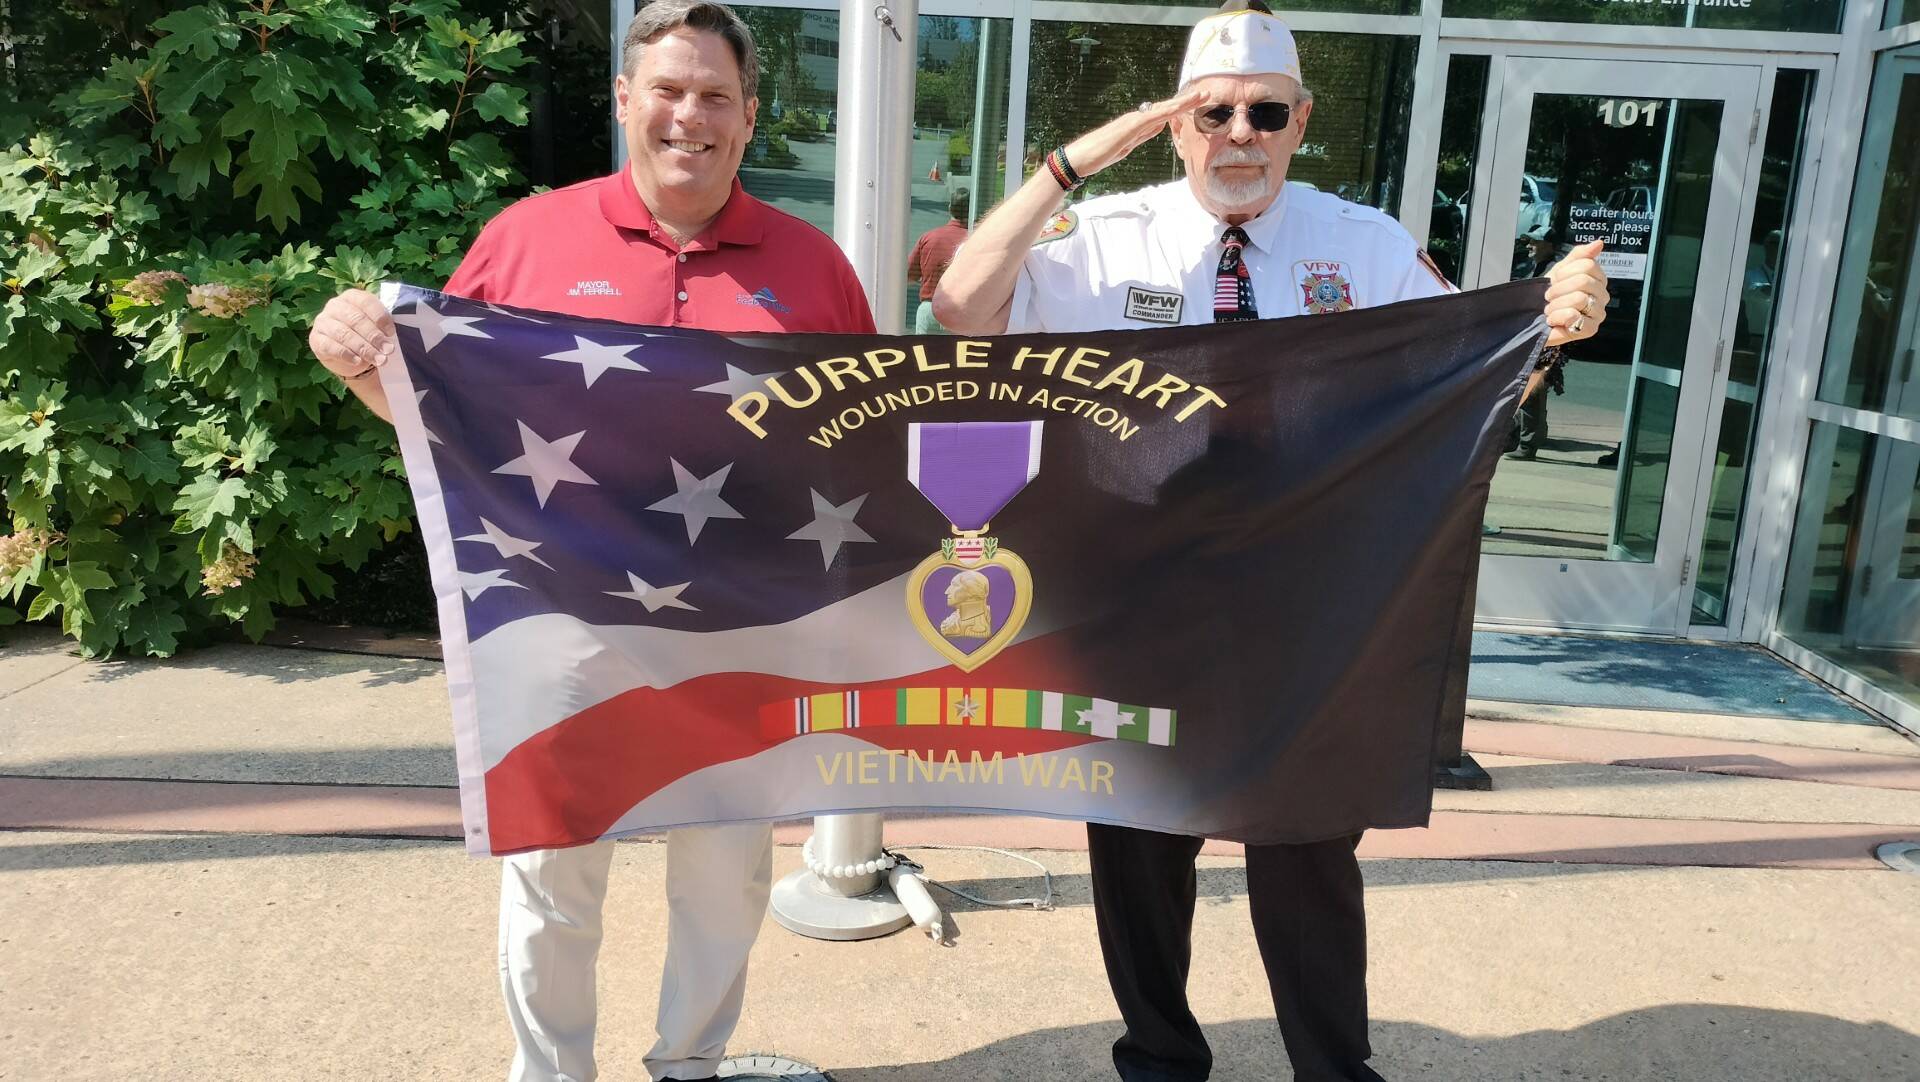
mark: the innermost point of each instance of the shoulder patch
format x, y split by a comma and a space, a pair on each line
1434, 269
1059, 227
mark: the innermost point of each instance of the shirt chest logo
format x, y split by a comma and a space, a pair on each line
1325, 286
761, 298
1153, 307
598, 287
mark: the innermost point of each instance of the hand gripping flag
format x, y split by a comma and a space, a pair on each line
1210, 580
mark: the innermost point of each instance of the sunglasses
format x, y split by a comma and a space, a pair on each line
1262, 116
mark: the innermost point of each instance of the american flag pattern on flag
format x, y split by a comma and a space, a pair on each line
653, 616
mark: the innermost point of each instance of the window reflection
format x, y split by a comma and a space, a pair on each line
1082, 75
1815, 16
1459, 153
1592, 444
1870, 351
1852, 593
790, 162
959, 147
1780, 172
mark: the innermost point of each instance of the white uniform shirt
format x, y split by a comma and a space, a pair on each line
1149, 258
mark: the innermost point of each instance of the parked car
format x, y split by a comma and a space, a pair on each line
1637, 198
1537, 196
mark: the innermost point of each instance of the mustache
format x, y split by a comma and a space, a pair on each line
1240, 156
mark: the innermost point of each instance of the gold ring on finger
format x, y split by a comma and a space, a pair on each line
1587, 308
1579, 324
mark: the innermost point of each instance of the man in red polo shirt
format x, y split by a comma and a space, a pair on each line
930, 257
671, 241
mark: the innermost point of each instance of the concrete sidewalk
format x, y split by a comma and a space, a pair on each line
1645, 895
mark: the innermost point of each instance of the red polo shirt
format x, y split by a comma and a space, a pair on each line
593, 249
932, 254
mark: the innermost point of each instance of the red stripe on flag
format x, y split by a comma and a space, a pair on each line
569, 784
879, 708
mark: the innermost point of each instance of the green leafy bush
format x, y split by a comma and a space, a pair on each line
172, 458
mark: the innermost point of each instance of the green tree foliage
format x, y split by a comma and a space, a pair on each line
181, 190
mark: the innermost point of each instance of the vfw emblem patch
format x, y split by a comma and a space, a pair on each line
971, 598
1325, 286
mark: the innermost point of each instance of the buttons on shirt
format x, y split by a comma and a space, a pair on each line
682, 294
683, 258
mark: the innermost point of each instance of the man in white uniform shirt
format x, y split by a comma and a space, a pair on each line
1230, 241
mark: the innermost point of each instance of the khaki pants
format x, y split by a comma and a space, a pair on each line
718, 879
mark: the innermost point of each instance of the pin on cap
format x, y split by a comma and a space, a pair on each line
1240, 43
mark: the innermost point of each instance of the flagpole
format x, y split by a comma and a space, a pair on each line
844, 892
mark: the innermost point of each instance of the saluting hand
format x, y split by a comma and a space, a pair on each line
1576, 296
353, 335
1113, 141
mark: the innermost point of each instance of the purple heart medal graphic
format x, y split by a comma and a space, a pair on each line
972, 597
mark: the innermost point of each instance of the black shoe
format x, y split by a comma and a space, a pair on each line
1521, 454
1611, 458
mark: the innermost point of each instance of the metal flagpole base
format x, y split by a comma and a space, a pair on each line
758, 1066
842, 894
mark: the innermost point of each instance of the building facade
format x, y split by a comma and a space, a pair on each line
1736, 457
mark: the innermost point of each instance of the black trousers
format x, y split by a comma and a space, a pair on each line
1309, 918
1530, 422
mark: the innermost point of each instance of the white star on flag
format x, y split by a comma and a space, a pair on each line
832, 526
475, 583
420, 396
547, 464
434, 327
1105, 718
654, 598
594, 359
696, 498
966, 709
738, 382
506, 544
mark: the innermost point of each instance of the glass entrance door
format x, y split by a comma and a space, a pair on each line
1592, 516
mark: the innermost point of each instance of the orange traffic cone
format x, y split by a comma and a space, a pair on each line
934, 173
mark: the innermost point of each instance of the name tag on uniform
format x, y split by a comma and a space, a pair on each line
1153, 307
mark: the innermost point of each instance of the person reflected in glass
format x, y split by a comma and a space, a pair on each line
1538, 253
931, 254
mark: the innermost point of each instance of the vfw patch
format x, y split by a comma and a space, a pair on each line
1325, 286
1145, 304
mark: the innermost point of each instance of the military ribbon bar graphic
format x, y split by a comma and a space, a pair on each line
686, 578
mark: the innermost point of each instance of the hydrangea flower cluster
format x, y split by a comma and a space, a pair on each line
229, 571
19, 549
150, 287
224, 301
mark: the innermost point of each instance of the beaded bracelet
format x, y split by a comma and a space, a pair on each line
1062, 171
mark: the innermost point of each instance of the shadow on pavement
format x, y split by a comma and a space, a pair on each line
279, 665
430, 765
1652, 674
1221, 885
1660, 1044
122, 850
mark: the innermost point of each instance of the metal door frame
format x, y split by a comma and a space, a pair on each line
1607, 595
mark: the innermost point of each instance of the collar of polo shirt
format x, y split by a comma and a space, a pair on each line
739, 221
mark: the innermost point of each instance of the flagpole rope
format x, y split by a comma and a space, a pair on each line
1041, 903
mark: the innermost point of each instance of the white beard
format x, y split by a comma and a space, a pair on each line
1236, 194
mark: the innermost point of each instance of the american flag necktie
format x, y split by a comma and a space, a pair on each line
1232, 289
